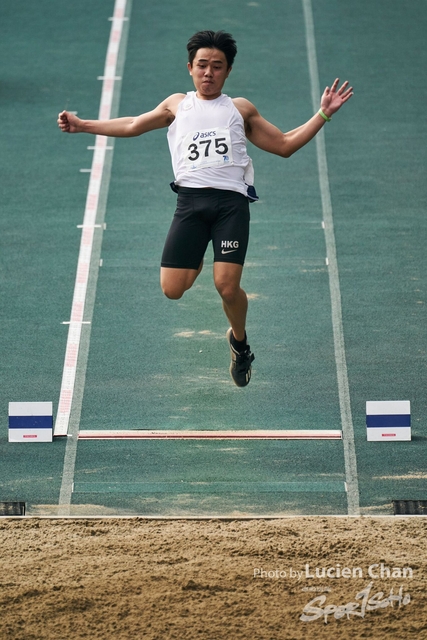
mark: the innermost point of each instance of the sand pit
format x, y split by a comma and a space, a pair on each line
185, 579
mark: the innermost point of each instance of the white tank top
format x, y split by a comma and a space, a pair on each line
207, 144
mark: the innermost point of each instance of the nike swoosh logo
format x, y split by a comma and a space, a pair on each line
231, 251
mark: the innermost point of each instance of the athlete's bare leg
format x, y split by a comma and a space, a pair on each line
227, 278
175, 282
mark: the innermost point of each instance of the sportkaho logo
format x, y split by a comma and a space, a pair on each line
366, 602
228, 246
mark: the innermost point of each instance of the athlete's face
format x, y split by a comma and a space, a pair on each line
209, 72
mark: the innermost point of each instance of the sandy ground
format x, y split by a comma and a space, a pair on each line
211, 580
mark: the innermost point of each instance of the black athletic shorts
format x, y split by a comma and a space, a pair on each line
202, 215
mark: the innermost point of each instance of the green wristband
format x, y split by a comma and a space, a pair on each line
324, 116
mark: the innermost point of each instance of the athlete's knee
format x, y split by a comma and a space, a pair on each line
230, 292
175, 282
171, 291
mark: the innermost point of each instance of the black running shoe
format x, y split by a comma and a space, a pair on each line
241, 363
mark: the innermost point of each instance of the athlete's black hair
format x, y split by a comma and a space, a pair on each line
212, 40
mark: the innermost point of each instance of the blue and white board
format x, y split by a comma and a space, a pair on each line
388, 420
30, 422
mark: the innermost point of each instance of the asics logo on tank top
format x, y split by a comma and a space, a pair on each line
204, 134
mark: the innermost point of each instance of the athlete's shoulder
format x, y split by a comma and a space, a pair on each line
176, 97
172, 102
246, 108
166, 110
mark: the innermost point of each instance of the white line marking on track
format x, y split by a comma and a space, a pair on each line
334, 285
251, 434
88, 230
77, 350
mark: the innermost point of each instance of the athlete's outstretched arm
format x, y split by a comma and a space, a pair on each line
162, 116
266, 136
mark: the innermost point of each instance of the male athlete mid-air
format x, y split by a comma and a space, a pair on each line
214, 178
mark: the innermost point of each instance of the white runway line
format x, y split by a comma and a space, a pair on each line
74, 372
334, 285
88, 227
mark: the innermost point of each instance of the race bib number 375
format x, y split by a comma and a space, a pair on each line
208, 148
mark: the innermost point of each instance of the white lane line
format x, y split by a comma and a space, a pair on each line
334, 285
175, 434
77, 350
88, 229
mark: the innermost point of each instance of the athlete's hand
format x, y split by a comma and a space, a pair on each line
333, 99
68, 122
